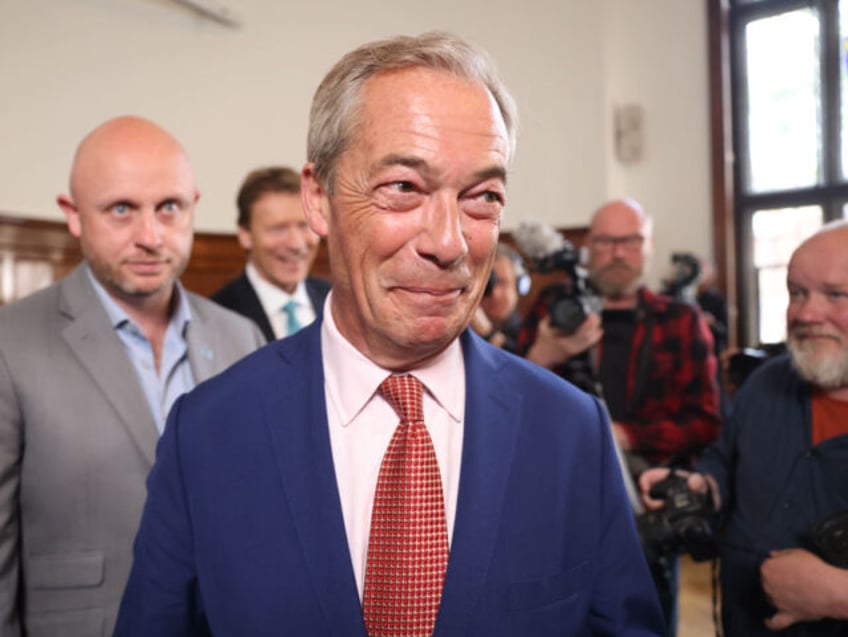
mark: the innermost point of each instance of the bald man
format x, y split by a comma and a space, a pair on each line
650, 356
781, 463
88, 370
661, 390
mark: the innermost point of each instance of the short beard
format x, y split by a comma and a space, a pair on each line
827, 370
121, 287
615, 289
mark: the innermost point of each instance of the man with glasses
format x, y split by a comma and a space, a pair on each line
652, 357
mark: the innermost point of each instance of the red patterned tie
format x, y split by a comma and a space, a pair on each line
408, 546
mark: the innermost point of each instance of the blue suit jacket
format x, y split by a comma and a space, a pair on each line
242, 533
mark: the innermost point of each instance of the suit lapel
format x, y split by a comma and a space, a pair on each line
202, 344
305, 462
488, 444
251, 306
95, 344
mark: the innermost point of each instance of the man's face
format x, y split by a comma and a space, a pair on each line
282, 246
132, 210
413, 223
617, 251
503, 299
817, 314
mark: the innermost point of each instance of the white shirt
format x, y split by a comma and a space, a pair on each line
362, 424
273, 299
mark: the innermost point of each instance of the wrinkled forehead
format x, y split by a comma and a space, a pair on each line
422, 96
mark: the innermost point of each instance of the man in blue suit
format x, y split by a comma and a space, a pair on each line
261, 516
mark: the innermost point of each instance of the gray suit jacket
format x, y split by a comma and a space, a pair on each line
77, 440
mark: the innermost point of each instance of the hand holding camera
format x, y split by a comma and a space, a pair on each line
698, 482
552, 347
802, 586
680, 515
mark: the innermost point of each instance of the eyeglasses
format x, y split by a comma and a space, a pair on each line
630, 242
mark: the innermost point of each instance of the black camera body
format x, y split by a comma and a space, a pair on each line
575, 302
828, 539
684, 525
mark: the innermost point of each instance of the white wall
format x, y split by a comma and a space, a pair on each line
656, 56
239, 98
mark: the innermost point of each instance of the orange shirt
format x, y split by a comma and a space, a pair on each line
830, 418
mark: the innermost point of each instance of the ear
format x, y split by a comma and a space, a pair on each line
71, 214
314, 200
648, 246
244, 238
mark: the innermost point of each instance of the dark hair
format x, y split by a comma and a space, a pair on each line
261, 181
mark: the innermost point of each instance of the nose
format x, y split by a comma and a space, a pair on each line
443, 240
619, 247
148, 230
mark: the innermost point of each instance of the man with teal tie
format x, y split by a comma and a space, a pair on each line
275, 290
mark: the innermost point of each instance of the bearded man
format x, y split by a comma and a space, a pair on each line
651, 357
780, 466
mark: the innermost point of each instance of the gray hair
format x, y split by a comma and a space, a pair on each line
336, 103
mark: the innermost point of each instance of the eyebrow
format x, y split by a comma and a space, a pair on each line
494, 172
416, 163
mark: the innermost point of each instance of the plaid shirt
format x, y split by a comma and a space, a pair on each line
671, 391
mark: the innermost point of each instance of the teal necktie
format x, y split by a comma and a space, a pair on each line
292, 324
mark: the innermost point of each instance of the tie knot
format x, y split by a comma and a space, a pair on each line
405, 394
290, 307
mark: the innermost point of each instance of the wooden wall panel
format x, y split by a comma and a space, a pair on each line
28, 245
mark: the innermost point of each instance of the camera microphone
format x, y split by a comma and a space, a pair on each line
537, 240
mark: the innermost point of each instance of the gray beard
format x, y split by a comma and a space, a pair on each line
828, 370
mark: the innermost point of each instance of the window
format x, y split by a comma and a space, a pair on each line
789, 85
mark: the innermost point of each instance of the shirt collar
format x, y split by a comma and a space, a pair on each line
270, 296
352, 379
180, 316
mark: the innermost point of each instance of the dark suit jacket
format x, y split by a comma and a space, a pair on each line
240, 296
243, 532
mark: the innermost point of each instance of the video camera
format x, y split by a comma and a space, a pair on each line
684, 525
547, 251
685, 272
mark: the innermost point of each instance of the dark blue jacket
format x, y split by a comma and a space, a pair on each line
774, 485
243, 533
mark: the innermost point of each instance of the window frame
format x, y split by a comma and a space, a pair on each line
734, 206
